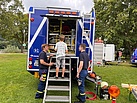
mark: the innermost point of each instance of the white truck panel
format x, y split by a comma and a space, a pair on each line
98, 53
103, 53
109, 51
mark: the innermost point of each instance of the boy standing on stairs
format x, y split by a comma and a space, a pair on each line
61, 49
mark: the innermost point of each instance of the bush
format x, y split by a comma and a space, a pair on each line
11, 49
3, 44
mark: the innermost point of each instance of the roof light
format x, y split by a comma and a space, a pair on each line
57, 12
51, 11
68, 13
63, 12
74, 13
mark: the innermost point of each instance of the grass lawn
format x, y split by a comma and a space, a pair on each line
18, 86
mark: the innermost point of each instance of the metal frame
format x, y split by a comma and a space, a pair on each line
70, 82
85, 37
47, 82
93, 36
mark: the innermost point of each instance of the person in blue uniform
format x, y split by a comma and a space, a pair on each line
43, 70
84, 64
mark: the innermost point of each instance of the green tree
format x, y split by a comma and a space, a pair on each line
13, 23
116, 21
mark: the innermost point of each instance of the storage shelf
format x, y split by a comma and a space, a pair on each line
54, 31
52, 44
53, 34
66, 32
67, 35
54, 26
70, 45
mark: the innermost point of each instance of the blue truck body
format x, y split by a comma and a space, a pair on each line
40, 22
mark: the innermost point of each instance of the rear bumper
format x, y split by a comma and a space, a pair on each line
32, 70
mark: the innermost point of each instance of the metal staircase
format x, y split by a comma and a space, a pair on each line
55, 87
86, 34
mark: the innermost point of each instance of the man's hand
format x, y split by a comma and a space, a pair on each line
51, 55
50, 64
77, 75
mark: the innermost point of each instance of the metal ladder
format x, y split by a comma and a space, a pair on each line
86, 33
57, 85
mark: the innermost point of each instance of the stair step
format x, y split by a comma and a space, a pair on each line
65, 63
86, 30
57, 99
87, 47
58, 88
59, 79
54, 57
60, 70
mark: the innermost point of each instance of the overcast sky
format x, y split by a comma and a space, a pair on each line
84, 5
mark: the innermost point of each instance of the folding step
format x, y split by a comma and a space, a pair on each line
54, 57
59, 79
58, 88
65, 64
87, 22
60, 70
57, 99
87, 47
86, 30
64, 88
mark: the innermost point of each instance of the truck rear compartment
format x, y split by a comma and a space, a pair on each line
62, 26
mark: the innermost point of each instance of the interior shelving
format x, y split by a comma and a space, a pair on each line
62, 27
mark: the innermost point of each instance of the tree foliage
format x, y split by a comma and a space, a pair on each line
116, 21
13, 23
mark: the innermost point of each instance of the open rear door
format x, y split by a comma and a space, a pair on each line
37, 36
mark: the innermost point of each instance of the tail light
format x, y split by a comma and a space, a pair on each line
30, 59
30, 66
30, 63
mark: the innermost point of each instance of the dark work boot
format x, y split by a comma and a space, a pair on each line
39, 95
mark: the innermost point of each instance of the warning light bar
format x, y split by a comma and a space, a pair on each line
63, 12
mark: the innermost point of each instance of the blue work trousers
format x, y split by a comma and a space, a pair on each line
42, 83
81, 87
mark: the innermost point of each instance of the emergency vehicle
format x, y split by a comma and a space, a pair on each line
134, 57
76, 21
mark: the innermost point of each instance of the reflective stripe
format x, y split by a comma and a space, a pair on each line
39, 92
44, 79
37, 32
44, 75
44, 91
82, 93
